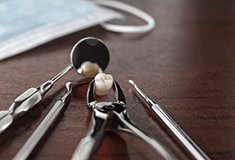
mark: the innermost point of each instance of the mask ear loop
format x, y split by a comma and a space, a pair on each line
129, 9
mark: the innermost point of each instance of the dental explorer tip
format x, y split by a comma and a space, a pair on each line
131, 82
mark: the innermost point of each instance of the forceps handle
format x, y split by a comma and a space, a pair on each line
84, 149
89, 144
187, 142
138, 133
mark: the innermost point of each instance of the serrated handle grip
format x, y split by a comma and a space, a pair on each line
84, 149
88, 145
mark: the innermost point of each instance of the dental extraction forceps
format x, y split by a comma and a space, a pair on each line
110, 116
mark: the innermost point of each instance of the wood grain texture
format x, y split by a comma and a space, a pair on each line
186, 65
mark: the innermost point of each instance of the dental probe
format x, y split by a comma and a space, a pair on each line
187, 142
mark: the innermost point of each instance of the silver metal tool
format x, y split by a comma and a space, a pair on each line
110, 116
33, 140
87, 49
185, 140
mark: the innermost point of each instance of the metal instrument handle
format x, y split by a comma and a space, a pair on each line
21, 104
130, 128
29, 145
45, 124
187, 142
88, 145
27, 100
84, 149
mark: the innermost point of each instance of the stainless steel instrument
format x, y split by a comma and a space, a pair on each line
33, 140
111, 116
87, 49
185, 140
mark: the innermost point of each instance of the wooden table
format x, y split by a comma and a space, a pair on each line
186, 65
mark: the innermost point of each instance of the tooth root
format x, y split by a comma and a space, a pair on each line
103, 83
89, 69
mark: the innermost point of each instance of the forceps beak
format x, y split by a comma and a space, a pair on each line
119, 93
90, 99
116, 88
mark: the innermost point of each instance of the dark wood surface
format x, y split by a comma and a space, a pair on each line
186, 65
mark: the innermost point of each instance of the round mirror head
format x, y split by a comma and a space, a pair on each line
89, 50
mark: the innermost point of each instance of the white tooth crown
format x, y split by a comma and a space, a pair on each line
103, 83
89, 69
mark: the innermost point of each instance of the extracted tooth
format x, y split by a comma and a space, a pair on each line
103, 83
89, 69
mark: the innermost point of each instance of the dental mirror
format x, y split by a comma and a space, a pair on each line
88, 49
